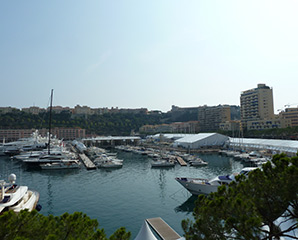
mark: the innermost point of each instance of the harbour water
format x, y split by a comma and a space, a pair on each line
119, 197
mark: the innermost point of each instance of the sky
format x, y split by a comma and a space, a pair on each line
146, 54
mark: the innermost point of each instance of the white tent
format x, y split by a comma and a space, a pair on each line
202, 140
274, 145
145, 233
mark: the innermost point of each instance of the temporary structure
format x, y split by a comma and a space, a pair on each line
145, 233
202, 140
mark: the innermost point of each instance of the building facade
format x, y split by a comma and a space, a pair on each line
289, 117
256, 104
210, 118
9, 135
176, 127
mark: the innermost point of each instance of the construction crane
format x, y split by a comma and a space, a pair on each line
287, 106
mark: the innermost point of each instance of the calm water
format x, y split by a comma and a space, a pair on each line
119, 197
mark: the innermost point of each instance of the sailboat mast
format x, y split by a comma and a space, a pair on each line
50, 123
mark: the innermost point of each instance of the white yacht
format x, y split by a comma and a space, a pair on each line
112, 163
162, 163
198, 186
198, 162
16, 198
35, 142
64, 164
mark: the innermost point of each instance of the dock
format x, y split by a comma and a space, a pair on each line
163, 230
181, 161
87, 162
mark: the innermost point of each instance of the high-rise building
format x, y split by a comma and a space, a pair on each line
257, 104
210, 118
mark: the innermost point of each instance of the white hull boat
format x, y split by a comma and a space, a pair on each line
28, 201
198, 162
110, 164
60, 165
16, 198
162, 163
197, 186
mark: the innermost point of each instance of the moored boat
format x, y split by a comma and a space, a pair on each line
162, 163
197, 186
15, 197
64, 164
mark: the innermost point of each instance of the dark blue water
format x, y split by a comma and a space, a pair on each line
119, 197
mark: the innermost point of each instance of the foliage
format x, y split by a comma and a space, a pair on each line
106, 124
249, 208
32, 225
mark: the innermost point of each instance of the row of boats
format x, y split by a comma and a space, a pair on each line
57, 158
195, 186
255, 158
162, 158
103, 159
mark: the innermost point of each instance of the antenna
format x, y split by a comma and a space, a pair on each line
50, 122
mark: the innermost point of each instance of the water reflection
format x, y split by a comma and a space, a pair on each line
50, 197
188, 206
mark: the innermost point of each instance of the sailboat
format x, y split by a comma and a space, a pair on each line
54, 159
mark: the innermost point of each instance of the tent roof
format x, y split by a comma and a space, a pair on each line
274, 144
172, 135
145, 233
196, 137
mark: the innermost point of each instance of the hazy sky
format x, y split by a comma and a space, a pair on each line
152, 54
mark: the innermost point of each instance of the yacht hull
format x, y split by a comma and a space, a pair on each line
197, 186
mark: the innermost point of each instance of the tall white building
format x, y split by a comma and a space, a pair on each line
256, 104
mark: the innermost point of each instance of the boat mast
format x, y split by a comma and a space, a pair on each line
50, 122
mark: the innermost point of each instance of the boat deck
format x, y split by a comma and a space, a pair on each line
87, 162
163, 230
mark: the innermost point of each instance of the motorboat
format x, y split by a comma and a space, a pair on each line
198, 162
64, 164
197, 186
162, 163
110, 164
26, 155
51, 158
15, 197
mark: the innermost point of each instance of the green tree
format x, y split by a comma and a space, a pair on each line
32, 225
249, 207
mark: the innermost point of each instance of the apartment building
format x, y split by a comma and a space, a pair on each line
289, 117
176, 127
33, 110
210, 118
256, 104
233, 126
65, 133
9, 135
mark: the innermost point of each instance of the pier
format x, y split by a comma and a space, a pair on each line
181, 161
163, 230
87, 162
